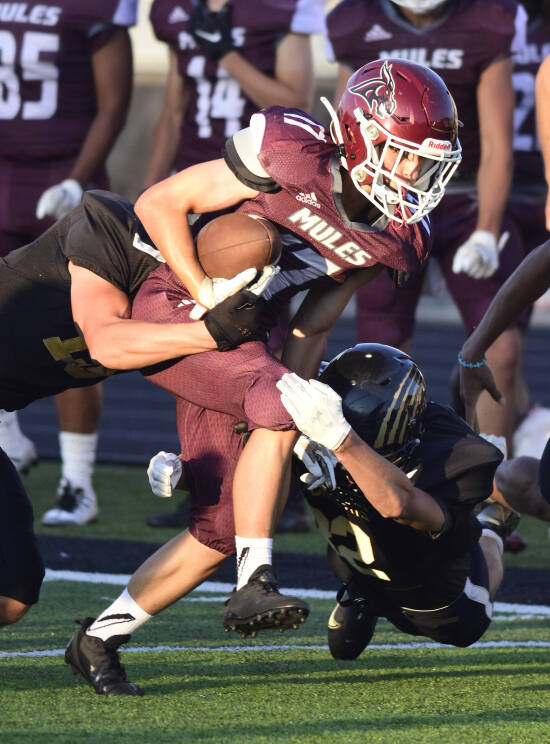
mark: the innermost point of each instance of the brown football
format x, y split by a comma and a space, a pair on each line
233, 242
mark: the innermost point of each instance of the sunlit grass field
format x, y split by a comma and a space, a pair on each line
202, 685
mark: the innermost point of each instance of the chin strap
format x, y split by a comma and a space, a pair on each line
335, 131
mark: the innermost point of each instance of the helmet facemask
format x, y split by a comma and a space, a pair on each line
400, 200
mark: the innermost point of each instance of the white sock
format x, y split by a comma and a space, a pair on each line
78, 453
252, 552
486, 532
121, 618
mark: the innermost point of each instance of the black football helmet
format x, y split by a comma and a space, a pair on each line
383, 397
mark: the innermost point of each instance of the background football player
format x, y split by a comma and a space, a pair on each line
528, 282
69, 81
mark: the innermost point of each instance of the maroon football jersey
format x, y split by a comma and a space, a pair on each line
302, 194
47, 99
529, 171
467, 38
217, 107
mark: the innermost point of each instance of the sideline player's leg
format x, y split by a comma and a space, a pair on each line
18, 447
79, 410
166, 576
21, 568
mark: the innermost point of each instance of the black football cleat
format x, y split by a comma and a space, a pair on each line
350, 628
259, 605
499, 518
98, 662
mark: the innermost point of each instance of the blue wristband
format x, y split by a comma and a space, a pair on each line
471, 365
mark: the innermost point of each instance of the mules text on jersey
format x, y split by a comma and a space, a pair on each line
319, 231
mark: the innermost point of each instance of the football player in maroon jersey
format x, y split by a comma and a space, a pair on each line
69, 68
214, 87
528, 192
543, 124
347, 207
470, 43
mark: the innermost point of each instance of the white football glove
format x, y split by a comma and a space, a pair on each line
319, 462
164, 472
58, 200
316, 409
265, 277
214, 291
498, 442
479, 255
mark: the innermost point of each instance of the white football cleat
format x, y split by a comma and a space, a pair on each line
75, 505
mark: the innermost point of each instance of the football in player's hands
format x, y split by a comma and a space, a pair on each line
229, 244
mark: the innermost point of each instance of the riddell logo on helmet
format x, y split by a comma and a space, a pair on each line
437, 145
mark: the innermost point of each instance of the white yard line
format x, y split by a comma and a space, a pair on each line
504, 611
224, 589
286, 647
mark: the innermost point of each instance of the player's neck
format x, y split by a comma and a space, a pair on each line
215, 5
357, 207
421, 20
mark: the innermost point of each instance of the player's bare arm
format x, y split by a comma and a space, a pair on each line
102, 312
315, 319
387, 488
168, 129
317, 411
542, 94
528, 282
112, 71
163, 211
292, 85
495, 101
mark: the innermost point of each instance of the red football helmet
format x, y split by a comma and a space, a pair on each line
391, 109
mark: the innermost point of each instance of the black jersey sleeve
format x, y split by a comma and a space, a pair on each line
106, 237
457, 470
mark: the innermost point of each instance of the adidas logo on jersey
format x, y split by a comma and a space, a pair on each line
310, 199
178, 15
377, 33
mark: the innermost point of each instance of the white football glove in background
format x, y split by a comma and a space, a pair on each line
498, 442
58, 200
164, 472
316, 409
319, 462
479, 255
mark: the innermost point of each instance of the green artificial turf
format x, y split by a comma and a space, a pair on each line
218, 688
125, 501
